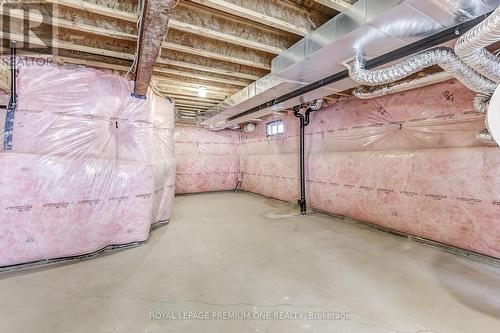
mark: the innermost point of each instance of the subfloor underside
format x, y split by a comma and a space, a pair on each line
239, 262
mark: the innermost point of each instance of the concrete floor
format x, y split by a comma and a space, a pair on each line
237, 254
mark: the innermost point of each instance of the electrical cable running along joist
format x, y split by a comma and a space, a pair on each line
421, 45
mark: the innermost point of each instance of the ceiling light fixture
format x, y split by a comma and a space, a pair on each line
202, 92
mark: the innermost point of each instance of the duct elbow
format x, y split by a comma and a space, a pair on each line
471, 47
442, 56
316, 104
485, 136
481, 103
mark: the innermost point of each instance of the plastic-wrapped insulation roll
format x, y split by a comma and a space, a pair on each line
401, 86
471, 47
442, 56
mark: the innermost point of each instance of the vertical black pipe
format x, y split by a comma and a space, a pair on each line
303, 123
11, 108
13, 73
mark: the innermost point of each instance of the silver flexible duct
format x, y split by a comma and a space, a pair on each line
442, 56
485, 136
471, 47
316, 104
481, 103
401, 86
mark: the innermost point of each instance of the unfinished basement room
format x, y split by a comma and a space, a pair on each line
250, 166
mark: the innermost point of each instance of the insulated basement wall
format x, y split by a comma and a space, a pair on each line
85, 166
206, 160
408, 161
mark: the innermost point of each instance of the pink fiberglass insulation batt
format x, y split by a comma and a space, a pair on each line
90, 166
407, 161
206, 160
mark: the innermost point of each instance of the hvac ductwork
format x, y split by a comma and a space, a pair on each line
379, 27
485, 136
379, 91
442, 56
481, 103
316, 104
471, 47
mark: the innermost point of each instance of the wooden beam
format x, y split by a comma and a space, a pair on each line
338, 5
188, 112
96, 9
200, 77
154, 23
213, 55
172, 88
213, 70
196, 98
162, 80
174, 24
190, 108
60, 23
170, 91
228, 38
69, 46
193, 103
245, 13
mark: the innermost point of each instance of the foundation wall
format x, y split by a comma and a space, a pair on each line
408, 161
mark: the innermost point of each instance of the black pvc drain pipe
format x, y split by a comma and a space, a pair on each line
304, 121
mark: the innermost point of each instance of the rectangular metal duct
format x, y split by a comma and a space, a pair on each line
375, 27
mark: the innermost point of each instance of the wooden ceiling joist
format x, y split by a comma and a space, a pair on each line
248, 14
173, 24
168, 88
338, 5
190, 109
193, 103
184, 84
69, 46
96, 9
202, 31
208, 69
213, 55
196, 98
201, 77
59, 23
188, 112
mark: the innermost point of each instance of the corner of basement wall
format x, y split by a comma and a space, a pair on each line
207, 160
